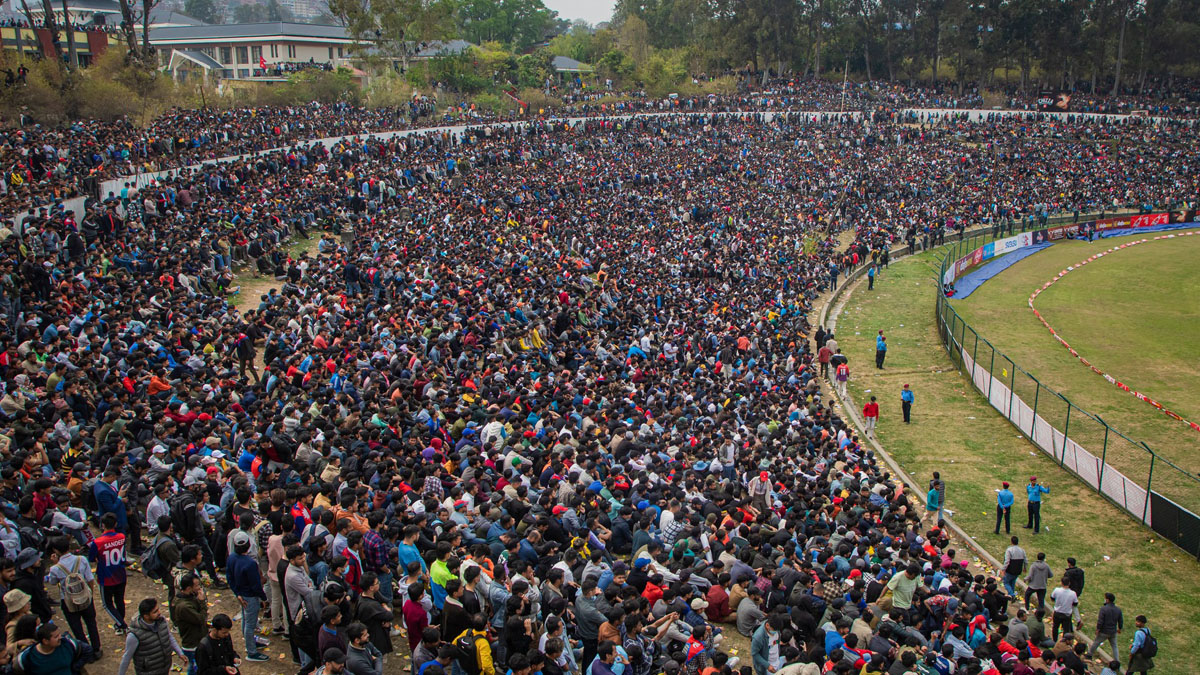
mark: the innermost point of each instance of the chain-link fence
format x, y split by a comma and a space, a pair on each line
1125, 471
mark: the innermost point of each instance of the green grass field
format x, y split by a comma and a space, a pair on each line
1133, 314
957, 433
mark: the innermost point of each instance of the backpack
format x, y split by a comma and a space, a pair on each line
466, 654
1149, 646
77, 594
88, 495
178, 505
152, 563
32, 537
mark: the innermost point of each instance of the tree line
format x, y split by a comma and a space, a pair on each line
1101, 46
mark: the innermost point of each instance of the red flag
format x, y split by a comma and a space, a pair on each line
262, 63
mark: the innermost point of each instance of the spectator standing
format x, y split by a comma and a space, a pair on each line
1074, 577
1144, 648
108, 552
191, 615
334, 662
1035, 581
246, 583
871, 415
72, 576
936, 483
363, 658
215, 654
149, 644
1014, 566
1065, 603
841, 377
1110, 622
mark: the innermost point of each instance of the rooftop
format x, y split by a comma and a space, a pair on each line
248, 30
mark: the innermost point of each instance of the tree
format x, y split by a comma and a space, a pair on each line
250, 13
72, 55
134, 12
534, 69
518, 24
204, 10
395, 27
50, 23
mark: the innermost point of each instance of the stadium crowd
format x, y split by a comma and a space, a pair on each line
48, 163
543, 399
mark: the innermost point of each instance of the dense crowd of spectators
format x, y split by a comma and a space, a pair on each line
544, 396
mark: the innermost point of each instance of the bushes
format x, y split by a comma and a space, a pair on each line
108, 90
389, 90
323, 86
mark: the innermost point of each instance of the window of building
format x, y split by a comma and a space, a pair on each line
291, 51
243, 73
331, 53
226, 55
274, 51
243, 55
255, 54
340, 53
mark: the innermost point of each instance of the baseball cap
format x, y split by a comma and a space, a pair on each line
558, 510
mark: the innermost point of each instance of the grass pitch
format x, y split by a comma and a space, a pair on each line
956, 432
1134, 314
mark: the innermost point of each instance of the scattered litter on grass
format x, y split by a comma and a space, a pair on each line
1106, 558
970, 417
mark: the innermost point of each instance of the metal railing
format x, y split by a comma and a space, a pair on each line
1127, 472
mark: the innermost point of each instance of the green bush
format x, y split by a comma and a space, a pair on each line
104, 99
388, 90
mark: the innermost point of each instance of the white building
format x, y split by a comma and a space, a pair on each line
239, 51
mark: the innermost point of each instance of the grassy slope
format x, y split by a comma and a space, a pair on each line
1134, 314
957, 433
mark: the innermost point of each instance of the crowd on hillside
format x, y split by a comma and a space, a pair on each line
48, 163
542, 401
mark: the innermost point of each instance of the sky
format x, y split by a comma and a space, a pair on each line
592, 11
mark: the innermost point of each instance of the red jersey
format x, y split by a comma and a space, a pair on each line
108, 552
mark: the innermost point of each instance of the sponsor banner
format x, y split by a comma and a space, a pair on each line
987, 252
1143, 220
1057, 233
1059, 338
1183, 216
1050, 101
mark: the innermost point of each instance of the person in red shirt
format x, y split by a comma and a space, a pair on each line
415, 618
42, 501
871, 415
653, 591
718, 600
